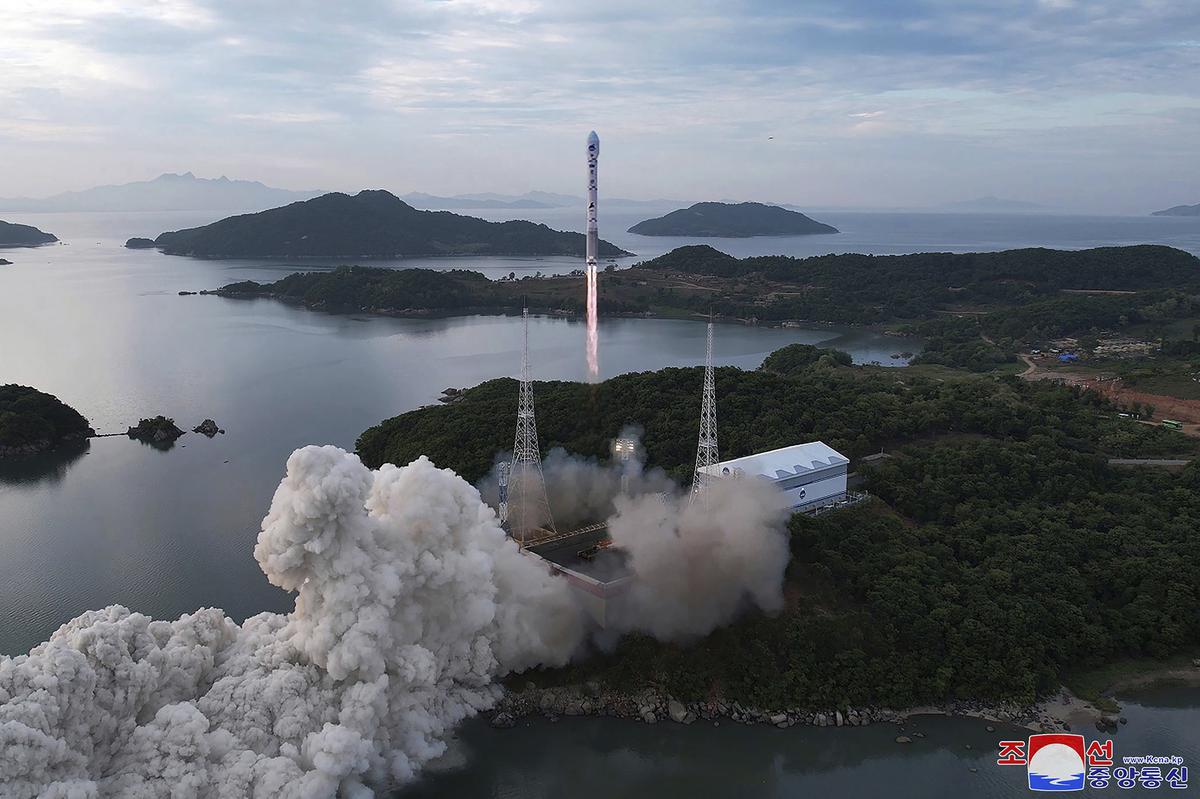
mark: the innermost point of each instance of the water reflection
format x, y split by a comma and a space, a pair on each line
49, 467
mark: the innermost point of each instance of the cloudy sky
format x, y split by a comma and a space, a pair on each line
1078, 104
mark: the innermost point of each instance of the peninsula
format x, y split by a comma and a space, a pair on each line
731, 220
974, 310
844, 289
33, 422
370, 224
14, 235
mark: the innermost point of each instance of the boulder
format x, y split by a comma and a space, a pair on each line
779, 718
503, 721
903, 739
649, 717
676, 711
837, 714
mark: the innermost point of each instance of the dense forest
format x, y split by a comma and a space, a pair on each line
1001, 551
32, 421
890, 288
731, 220
370, 224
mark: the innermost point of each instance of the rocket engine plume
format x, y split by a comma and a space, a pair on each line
593, 242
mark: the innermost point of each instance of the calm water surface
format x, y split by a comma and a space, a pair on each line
589, 758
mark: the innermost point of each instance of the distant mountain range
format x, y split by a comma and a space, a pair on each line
731, 220
14, 235
370, 224
167, 192
1179, 210
991, 204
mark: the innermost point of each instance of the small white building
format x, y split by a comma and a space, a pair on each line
811, 475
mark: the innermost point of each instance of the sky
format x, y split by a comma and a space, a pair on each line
1089, 105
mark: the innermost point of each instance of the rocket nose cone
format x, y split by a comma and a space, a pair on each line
593, 139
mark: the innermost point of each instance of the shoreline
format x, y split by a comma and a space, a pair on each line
1061, 711
782, 324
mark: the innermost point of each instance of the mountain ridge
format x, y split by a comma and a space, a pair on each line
169, 191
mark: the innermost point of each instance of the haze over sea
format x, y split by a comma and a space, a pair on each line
103, 328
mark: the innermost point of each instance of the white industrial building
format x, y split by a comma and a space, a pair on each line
811, 475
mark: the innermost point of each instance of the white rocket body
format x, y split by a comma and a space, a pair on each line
593, 236
592, 252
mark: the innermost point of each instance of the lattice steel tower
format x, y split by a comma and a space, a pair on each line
526, 508
706, 449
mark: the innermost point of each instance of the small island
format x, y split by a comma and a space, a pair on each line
1179, 210
14, 235
159, 432
138, 243
33, 422
370, 224
732, 220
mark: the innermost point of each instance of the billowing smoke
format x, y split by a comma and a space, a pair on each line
584, 490
699, 563
410, 602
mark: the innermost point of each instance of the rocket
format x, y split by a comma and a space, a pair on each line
593, 237
592, 252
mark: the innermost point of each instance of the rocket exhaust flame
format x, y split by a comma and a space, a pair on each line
593, 242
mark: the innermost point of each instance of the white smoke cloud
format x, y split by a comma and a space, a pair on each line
698, 564
584, 490
411, 601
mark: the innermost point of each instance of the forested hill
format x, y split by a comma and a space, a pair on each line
800, 394
1002, 551
1012, 293
994, 276
370, 224
14, 235
32, 421
884, 288
731, 220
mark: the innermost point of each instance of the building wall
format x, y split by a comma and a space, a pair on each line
803, 491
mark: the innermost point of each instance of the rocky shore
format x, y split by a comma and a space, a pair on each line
651, 706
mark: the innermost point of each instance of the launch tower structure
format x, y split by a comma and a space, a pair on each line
524, 505
706, 449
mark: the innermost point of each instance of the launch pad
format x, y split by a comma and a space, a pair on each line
585, 558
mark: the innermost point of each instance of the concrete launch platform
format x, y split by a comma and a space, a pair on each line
598, 572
